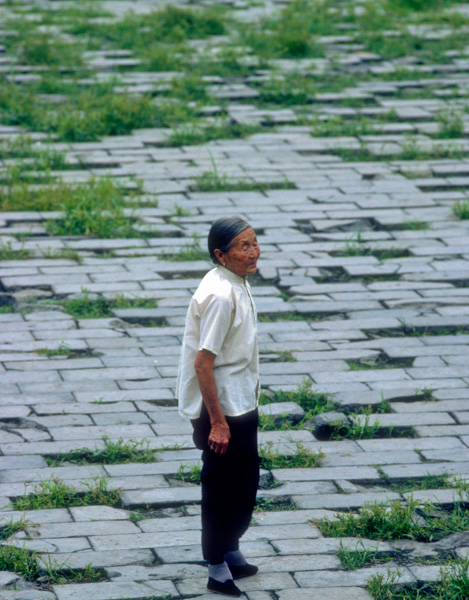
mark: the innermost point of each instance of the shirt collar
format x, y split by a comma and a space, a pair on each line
230, 275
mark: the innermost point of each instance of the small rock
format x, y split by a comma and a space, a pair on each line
321, 424
6, 300
7, 579
34, 595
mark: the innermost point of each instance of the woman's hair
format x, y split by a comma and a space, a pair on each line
222, 233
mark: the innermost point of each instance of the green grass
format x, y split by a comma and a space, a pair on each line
271, 458
382, 362
450, 124
420, 5
100, 307
361, 557
285, 356
357, 430
410, 151
394, 520
213, 182
6, 309
94, 209
311, 401
18, 560
355, 246
192, 133
271, 423
416, 225
23, 562
428, 482
171, 25
88, 113
42, 156
7, 252
63, 253
338, 126
40, 49
454, 585
115, 452
288, 316
188, 252
291, 89
290, 33
274, 505
54, 493
461, 209
189, 474
11, 528
61, 350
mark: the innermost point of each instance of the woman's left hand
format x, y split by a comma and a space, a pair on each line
219, 438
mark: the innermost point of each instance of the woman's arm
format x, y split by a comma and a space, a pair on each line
220, 431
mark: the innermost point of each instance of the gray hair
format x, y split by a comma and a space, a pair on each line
222, 233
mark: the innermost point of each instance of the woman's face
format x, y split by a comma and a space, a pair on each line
242, 257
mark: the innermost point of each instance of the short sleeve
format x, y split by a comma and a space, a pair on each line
215, 322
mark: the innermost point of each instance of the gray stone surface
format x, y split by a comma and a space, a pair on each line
381, 334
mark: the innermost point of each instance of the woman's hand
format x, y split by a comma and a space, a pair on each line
219, 438
220, 432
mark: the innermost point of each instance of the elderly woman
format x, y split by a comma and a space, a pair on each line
218, 387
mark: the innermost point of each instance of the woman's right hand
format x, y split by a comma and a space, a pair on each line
219, 438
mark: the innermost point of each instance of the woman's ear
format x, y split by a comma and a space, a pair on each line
220, 257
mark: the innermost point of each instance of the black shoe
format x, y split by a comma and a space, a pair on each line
243, 571
226, 587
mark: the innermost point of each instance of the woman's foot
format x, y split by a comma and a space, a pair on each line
220, 580
238, 565
246, 570
228, 587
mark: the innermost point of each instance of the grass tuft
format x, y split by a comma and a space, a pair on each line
302, 457
274, 505
356, 430
394, 520
100, 307
188, 252
115, 452
360, 557
189, 474
7, 252
54, 493
312, 402
461, 209
11, 528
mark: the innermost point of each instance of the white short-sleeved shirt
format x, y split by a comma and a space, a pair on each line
222, 319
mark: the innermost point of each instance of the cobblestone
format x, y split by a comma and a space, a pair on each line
362, 291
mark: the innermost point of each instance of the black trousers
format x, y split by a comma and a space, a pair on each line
229, 484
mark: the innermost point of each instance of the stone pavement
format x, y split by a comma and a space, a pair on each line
404, 319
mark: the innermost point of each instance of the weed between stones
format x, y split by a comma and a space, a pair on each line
12, 527
188, 252
54, 493
99, 307
454, 585
422, 522
301, 457
311, 401
428, 482
114, 452
63, 350
273, 505
7, 252
19, 560
355, 246
361, 557
189, 474
461, 209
